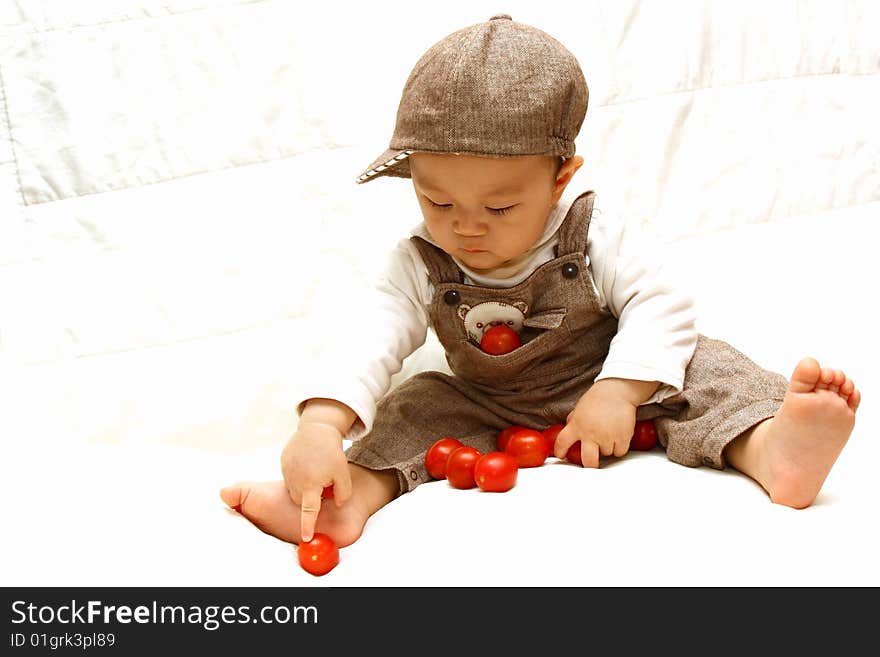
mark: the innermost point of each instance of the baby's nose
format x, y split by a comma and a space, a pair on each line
468, 226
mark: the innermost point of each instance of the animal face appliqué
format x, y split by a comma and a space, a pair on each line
480, 318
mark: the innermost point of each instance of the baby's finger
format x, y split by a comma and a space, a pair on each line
342, 487
589, 454
311, 504
564, 439
295, 496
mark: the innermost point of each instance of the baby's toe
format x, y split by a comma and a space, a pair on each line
826, 376
838, 380
854, 400
234, 496
805, 377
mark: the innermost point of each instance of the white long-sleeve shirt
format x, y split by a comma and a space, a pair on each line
655, 339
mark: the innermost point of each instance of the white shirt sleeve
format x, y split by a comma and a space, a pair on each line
656, 334
365, 343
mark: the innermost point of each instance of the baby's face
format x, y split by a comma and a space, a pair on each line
485, 211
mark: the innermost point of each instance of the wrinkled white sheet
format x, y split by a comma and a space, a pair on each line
176, 193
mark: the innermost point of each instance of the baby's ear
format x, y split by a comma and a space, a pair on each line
566, 173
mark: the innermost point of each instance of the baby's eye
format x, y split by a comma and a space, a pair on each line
441, 206
501, 210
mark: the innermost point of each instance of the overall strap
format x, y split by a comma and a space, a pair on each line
574, 228
441, 268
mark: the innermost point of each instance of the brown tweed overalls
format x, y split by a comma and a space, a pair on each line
566, 336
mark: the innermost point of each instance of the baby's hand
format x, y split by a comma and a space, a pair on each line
313, 459
603, 420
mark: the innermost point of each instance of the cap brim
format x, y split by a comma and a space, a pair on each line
392, 162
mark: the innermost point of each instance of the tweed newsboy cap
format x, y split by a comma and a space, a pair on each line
498, 88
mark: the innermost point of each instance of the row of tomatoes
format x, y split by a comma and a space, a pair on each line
466, 467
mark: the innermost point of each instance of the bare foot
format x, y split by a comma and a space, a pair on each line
791, 454
267, 505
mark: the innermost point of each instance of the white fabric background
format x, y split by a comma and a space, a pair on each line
177, 194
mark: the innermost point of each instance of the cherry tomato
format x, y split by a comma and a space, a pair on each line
318, 556
499, 340
645, 436
460, 467
438, 454
528, 447
495, 472
327, 492
574, 453
505, 434
550, 434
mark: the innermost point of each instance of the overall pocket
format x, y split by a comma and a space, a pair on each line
541, 334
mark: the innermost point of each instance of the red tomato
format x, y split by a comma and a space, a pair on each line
528, 447
499, 340
327, 492
438, 454
495, 472
460, 467
550, 434
645, 436
318, 556
574, 453
505, 434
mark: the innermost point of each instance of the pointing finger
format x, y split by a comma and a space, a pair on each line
311, 504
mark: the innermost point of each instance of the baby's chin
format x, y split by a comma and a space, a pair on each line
488, 265
482, 261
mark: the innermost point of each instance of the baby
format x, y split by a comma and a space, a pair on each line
485, 129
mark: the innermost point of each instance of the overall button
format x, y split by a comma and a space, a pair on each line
570, 270
452, 297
